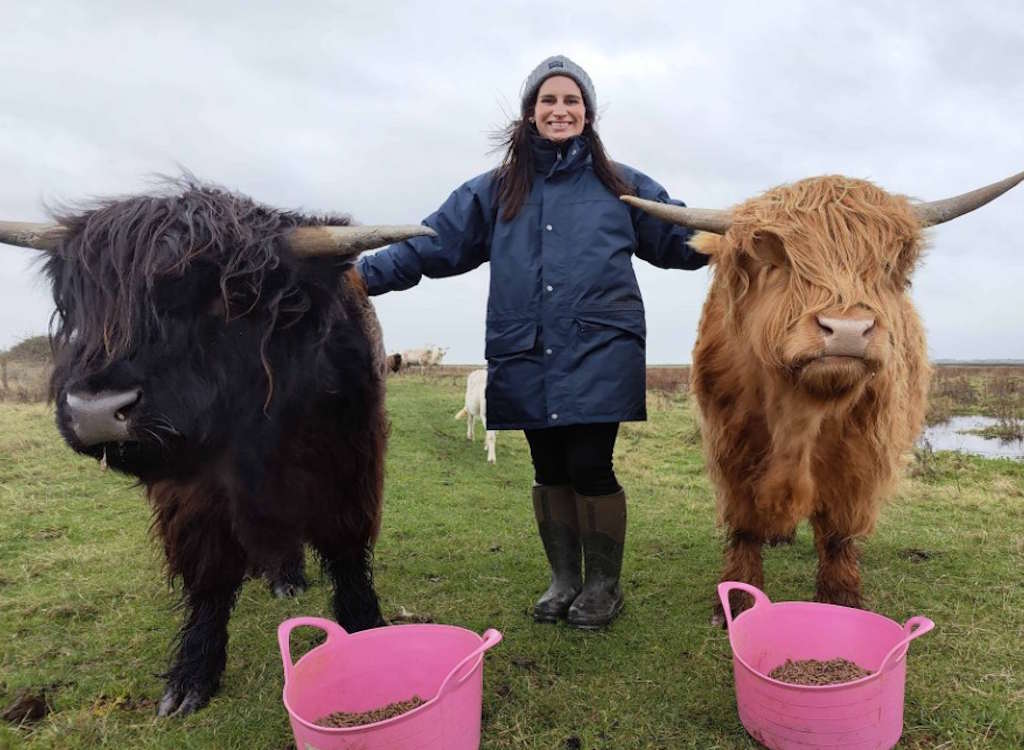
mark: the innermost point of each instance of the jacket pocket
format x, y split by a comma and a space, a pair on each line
610, 323
608, 371
505, 338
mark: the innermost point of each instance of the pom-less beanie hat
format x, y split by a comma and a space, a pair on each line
560, 65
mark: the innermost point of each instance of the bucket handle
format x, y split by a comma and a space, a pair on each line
491, 637
725, 587
284, 633
914, 627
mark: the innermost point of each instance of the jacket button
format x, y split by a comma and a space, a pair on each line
554, 416
550, 288
548, 227
547, 351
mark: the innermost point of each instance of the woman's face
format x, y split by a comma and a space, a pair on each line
559, 113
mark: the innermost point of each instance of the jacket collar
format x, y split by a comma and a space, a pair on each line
550, 157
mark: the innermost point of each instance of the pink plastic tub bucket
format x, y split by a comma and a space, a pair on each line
358, 672
866, 714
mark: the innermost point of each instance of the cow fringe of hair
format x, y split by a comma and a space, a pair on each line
119, 248
873, 237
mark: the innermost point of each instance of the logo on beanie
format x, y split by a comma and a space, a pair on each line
555, 64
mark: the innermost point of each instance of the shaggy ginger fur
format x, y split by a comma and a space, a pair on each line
790, 432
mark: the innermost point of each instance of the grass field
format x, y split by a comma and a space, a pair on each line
87, 617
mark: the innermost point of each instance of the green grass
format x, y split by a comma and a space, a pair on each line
85, 611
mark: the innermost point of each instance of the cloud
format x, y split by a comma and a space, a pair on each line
380, 110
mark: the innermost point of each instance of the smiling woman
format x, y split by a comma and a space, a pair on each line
560, 112
566, 334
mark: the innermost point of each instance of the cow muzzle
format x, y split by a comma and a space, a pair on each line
101, 417
846, 337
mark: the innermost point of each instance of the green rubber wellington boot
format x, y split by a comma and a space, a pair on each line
555, 508
602, 523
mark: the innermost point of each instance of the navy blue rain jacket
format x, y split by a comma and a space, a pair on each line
565, 335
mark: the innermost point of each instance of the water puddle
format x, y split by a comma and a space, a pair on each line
953, 436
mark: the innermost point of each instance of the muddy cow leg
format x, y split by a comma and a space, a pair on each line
289, 578
742, 563
202, 549
354, 599
838, 563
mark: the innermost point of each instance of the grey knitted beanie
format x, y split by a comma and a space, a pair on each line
560, 65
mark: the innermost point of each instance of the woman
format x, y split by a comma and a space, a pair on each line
565, 321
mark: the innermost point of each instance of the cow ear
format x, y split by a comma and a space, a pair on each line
769, 248
905, 262
707, 243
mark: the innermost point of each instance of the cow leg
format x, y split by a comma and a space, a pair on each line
289, 578
838, 565
202, 549
354, 599
742, 563
470, 420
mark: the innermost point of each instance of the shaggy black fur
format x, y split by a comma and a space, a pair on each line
261, 423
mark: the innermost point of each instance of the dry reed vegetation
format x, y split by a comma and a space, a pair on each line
25, 371
995, 391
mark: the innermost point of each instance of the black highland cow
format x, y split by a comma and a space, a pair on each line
226, 354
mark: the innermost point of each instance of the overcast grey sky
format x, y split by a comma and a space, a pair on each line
381, 109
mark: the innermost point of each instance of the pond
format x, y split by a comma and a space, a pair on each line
953, 435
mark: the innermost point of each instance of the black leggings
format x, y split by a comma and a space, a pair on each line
580, 455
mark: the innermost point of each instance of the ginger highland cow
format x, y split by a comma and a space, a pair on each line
810, 368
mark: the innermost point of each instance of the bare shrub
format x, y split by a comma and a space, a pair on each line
670, 380
26, 383
924, 465
957, 388
1006, 396
940, 409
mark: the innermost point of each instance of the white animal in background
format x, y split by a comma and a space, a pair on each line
476, 406
415, 358
435, 354
425, 357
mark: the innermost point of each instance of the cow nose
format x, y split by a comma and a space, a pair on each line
846, 337
101, 417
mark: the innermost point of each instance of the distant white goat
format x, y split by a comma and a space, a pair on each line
476, 406
435, 354
425, 357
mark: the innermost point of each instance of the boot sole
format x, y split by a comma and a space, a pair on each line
546, 618
591, 625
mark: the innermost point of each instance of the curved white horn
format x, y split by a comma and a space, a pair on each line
38, 236
708, 219
937, 212
345, 241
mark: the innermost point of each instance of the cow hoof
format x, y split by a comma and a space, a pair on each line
287, 589
718, 620
181, 702
287, 584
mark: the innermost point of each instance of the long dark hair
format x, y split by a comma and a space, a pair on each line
515, 173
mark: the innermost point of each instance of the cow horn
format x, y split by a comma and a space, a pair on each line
708, 219
345, 241
937, 212
29, 234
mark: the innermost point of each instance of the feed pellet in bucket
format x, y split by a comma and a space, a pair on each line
341, 719
815, 672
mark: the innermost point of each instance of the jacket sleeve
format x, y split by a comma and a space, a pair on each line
463, 226
659, 242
